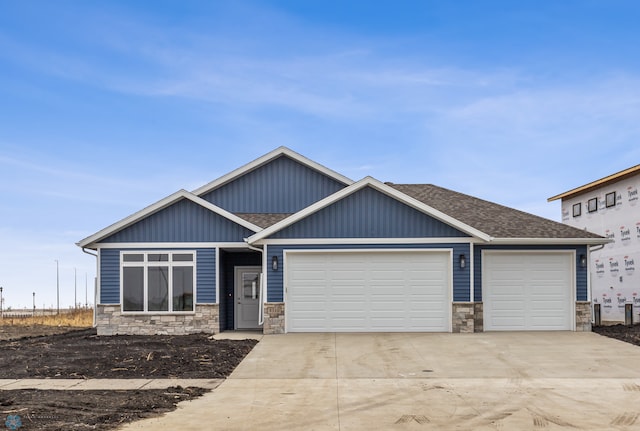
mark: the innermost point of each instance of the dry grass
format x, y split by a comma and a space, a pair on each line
81, 318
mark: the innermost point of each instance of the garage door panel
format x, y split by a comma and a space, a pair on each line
368, 291
528, 291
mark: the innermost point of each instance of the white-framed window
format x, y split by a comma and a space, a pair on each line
158, 281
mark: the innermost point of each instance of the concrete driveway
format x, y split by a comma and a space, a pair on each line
489, 381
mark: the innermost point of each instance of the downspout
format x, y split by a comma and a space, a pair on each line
95, 287
589, 251
261, 290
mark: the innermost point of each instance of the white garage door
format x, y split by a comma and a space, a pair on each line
528, 291
368, 291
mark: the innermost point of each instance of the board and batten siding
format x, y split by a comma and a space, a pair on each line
206, 276
461, 276
110, 275
184, 221
281, 186
581, 274
368, 213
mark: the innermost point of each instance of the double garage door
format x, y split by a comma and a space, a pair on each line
390, 291
528, 291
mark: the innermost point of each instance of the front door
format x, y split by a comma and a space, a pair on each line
247, 297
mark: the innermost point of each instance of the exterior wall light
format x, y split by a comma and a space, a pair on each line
463, 261
274, 263
583, 261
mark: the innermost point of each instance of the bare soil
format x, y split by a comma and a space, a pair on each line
83, 354
88, 410
629, 334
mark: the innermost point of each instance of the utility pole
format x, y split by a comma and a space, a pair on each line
1, 301
34, 304
75, 288
86, 301
57, 287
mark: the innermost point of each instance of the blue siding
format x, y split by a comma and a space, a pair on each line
580, 276
206, 276
281, 186
183, 221
461, 277
368, 213
110, 275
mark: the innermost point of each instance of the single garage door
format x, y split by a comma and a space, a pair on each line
527, 291
368, 291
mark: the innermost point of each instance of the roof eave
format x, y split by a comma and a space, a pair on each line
280, 151
618, 176
91, 242
383, 188
550, 241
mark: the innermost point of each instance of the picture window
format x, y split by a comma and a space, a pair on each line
158, 282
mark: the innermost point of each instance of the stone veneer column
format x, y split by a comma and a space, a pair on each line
583, 316
111, 321
273, 318
478, 317
463, 317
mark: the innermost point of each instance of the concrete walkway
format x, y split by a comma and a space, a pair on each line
105, 384
487, 381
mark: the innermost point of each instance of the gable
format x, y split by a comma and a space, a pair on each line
368, 213
283, 185
184, 221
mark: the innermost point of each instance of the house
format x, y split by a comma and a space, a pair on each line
609, 207
284, 244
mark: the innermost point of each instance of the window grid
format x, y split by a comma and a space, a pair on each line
157, 260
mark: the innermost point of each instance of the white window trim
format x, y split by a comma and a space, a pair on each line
146, 264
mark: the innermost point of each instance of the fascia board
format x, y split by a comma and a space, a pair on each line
368, 181
265, 159
340, 194
597, 184
422, 207
222, 212
161, 204
133, 218
551, 241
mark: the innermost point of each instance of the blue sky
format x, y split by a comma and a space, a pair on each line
109, 106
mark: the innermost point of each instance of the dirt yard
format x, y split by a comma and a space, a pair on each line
629, 334
82, 354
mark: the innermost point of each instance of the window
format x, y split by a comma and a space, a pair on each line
158, 282
610, 200
592, 205
577, 209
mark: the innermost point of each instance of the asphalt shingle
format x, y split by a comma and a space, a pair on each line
493, 219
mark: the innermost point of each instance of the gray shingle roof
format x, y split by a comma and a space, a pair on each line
493, 219
262, 220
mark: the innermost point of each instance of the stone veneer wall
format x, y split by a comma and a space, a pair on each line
478, 317
583, 316
463, 317
111, 321
273, 318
